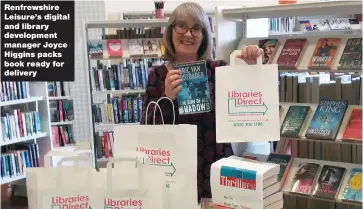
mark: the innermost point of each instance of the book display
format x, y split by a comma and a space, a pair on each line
320, 76
24, 128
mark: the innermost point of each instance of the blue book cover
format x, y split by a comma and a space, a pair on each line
194, 95
327, 119
353, 189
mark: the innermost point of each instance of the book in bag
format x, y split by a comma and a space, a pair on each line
194, 96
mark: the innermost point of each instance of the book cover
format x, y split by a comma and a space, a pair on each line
352, 54
284, 161
304, 178
294, 120
95, 48
324, 53
269, 47
353, 129
135, 47
207, 203
327, 119
114, 48
329, 181
290, 53
353, 190
194, 96
151, 47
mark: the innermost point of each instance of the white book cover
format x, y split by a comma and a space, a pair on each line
235, 184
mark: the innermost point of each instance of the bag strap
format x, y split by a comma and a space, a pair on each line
172, 103
140, 170
76, 160
156, 106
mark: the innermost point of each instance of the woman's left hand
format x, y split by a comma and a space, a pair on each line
250, 54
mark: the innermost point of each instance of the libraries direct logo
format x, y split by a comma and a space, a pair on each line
246, 103
238, 178
79, 202
158, 157
122, 204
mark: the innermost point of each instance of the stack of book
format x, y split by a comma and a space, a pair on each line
246, 183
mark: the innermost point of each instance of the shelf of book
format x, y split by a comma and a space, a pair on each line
24, 128
295, 10
61, 113
296, 34
24, 139
123, 77
21, 101
305, 81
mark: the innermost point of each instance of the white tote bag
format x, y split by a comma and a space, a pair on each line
170, 148
60, 187
132, 188
247, 102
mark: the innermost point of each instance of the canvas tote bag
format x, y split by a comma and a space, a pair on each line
60, 187
247, 102
170, 148
133, 188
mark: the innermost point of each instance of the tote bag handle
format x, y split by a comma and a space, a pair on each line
77, 167
234, 60
158, 106
140, 170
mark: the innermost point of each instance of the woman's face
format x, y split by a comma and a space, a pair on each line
187, 43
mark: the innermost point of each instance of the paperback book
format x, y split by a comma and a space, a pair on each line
194, 96
324, 53
327, 119
353, 189
290, 53
352, 54
329, 181
269, 47
304, 178
353, 129
284, 161
294, 120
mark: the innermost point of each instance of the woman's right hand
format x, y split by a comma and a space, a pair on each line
172, 84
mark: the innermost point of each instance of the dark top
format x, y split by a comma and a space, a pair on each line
208, 150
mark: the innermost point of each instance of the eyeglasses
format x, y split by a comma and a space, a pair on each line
183, 29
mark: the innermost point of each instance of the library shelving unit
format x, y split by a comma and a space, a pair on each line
61, 110
231, 24
101, 96
21, 128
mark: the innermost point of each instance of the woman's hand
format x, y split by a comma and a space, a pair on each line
250, 54
172, 84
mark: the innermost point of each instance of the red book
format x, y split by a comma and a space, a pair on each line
106, 145
324, 53
353, 129
290, 53
114, 48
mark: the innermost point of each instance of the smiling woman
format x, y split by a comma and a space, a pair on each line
187, 38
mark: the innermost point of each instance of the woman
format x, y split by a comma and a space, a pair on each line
188, 38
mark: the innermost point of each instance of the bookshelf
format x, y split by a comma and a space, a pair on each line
24, 127
335, 151
61, 110
100, 98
